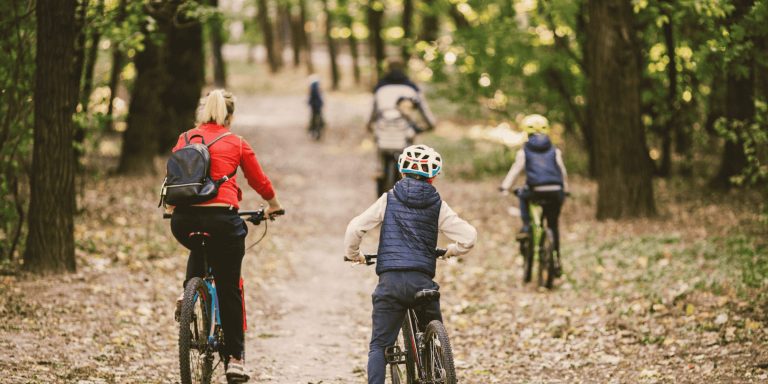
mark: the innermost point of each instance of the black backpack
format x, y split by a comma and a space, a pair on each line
187, 175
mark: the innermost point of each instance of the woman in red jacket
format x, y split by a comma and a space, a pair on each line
218, 217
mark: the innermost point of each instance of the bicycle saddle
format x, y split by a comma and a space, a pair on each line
425, 296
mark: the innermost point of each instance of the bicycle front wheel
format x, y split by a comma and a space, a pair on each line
195, 356
547, 260
438, 356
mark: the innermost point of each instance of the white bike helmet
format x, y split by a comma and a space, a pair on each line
420, 160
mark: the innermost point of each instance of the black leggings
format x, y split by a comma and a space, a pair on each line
225, 248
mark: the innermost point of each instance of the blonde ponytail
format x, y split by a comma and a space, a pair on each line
216, 107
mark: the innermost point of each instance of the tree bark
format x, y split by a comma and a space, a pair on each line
217, 43
185, 68
353, 51
279, 35
306, 37
331, 46
430, 23
375, 19
665, 168
739, 104
50, 241
407, 30
90, 61
145, 114
296, 30
117, 64
624, 173
267, 35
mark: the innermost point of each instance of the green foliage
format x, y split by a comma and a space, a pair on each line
17, 26
513, 59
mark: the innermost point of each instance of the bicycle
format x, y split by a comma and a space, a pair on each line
200, 334
539, 247
427, 356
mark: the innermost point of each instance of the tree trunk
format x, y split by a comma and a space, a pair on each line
306, 37
407, 23
217, 42
376, 42
296, 30
185, 68
430, 23
117, 63
50, 240
331, 46
625, 187
90, 61
353, 51
279, 36
267, 35
665, 168
145, 114
739, 104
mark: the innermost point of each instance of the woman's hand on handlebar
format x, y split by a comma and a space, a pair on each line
275, 208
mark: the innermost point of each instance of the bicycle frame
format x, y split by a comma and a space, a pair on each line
536, 212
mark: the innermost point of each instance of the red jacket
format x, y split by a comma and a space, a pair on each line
226, 155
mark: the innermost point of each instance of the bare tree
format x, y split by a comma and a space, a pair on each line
624, 170
50, 242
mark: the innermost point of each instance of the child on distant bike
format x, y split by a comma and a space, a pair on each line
546, 178
411, 215
219, 219
315, 104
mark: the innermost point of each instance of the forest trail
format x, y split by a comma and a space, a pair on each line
630, 308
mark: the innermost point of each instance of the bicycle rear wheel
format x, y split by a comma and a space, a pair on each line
526, 249
408, 346
547, 260
437, 355
195, 356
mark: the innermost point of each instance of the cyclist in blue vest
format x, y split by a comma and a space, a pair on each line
546, 177
411, 215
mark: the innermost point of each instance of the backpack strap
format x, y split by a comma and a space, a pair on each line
234, 172
218, 138
188, 138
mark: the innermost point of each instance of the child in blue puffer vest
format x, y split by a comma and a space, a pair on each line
546, 178
411, 215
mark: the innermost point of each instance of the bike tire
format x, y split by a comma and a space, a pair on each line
410, 364
527, 251
194, 322
394, 374
437, 354
546, 260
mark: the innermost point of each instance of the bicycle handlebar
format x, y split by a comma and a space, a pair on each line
439, 252
254, 217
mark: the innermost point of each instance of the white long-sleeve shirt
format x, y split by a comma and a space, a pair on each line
449, 223
519, 165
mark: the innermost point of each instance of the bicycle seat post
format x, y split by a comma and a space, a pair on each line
201, 237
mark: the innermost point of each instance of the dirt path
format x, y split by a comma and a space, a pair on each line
320, 300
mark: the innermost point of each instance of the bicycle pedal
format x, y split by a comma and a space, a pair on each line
393, 354
234, 379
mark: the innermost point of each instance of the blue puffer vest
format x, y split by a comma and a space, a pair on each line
540, 162
409, 231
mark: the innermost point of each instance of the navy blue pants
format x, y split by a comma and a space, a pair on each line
225, 249
551, 202
392, 297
